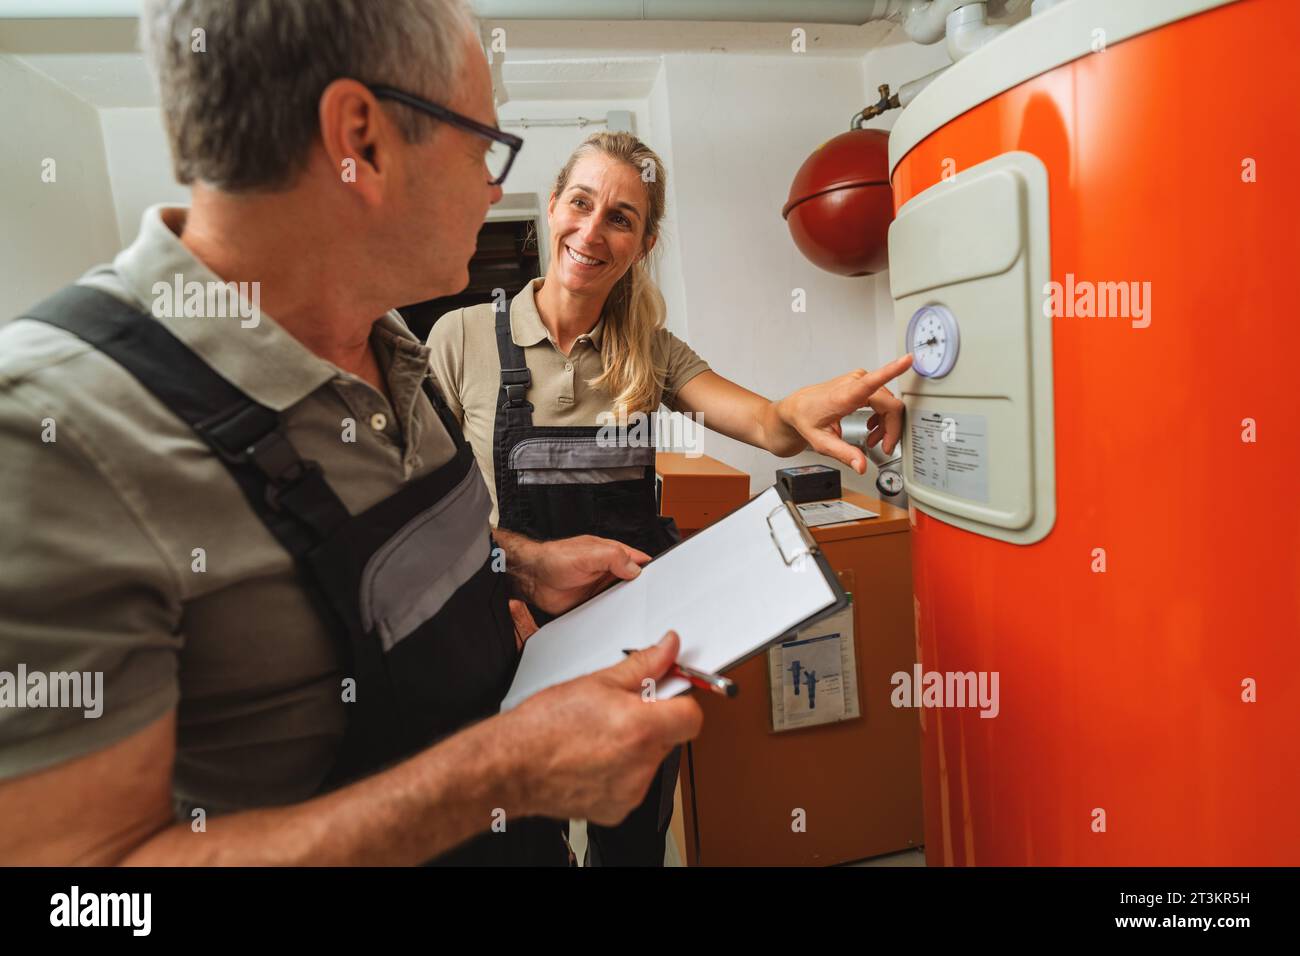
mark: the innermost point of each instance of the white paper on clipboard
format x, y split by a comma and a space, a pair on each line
731, 589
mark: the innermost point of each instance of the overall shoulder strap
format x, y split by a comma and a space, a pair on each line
515, 377
288, 493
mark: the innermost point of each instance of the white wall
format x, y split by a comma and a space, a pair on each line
740, 127
547, 148
732, 128
52, 231
139, 166
140, 171
668, 253
895, 62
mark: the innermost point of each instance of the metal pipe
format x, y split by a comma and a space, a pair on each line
525, 123
69, 9
845, 12
906, 93
854, 430
923, 20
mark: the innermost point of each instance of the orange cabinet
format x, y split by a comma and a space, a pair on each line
857, 782
696, 491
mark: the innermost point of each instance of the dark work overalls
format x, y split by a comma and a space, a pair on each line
407, 586
560, 481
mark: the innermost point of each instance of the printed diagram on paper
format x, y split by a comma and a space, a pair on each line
813, 676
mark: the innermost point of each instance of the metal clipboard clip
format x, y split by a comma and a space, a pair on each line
809, 545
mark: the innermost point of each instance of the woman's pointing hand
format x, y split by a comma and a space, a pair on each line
815, 412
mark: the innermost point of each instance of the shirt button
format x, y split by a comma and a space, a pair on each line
568, 366
378, 421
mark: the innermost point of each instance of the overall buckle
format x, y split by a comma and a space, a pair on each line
516, 382
284, 469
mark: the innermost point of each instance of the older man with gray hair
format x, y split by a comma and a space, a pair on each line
268, 536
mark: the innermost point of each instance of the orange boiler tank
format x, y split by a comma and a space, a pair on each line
1096, 228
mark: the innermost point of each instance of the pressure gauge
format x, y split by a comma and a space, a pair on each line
933, 340
889, 483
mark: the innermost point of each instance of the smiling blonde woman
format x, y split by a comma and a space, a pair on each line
532, 386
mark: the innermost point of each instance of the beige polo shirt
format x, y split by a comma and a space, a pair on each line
99, 531
466, 366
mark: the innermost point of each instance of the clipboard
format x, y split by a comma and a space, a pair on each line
730, 591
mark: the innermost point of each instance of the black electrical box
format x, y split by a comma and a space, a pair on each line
810, 482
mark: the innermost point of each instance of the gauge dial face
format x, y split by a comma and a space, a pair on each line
889, 482
933, 339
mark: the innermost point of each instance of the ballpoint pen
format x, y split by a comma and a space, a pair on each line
723, 686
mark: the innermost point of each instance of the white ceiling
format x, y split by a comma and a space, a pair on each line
95, 59
104, 80
624, 78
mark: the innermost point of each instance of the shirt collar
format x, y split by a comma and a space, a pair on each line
526, 327
263, 360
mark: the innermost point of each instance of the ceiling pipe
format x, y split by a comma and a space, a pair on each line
69, 9
968, 29
847, 12
844, 12
923, 21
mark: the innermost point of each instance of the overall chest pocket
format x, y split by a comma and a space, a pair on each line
412, 576
577, 461
564, 482
432, 600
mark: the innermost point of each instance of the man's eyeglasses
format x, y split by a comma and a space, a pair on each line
504, 146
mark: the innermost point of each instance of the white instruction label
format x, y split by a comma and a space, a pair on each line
950, 453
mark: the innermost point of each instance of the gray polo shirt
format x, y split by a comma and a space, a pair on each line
100, 531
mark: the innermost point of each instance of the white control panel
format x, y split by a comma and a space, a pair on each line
968, 261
